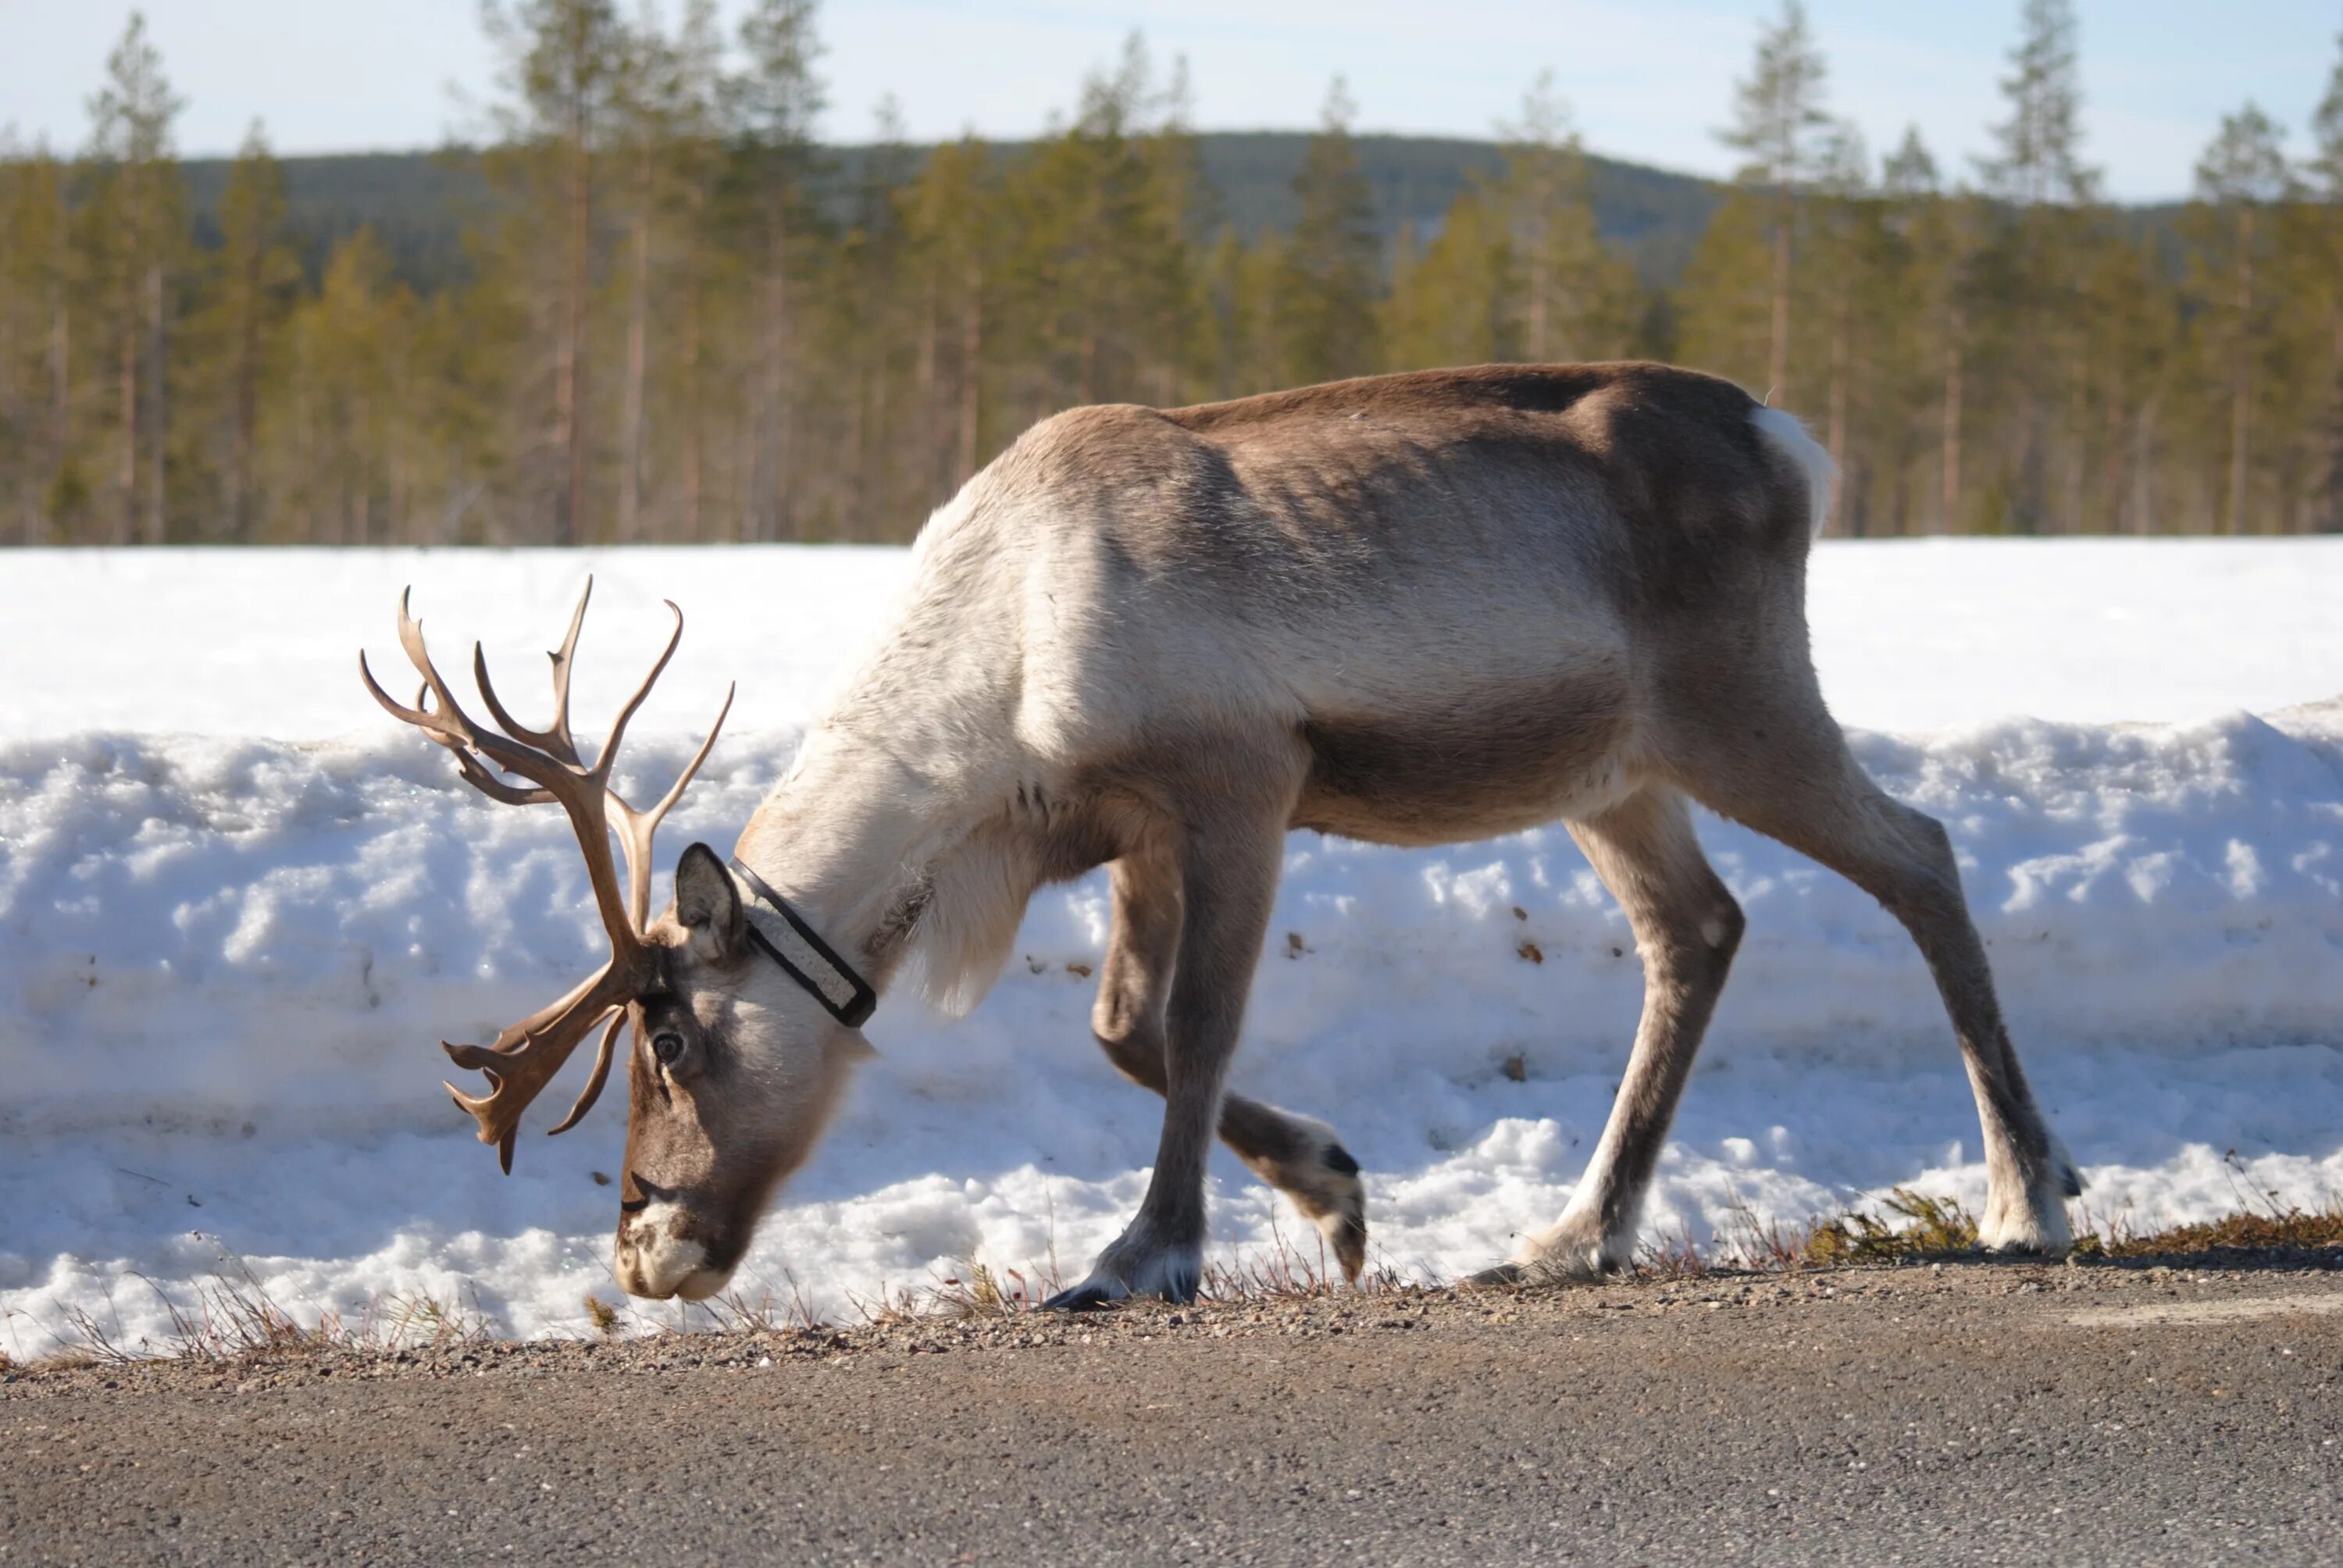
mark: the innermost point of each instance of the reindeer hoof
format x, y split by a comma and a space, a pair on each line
1574, 1251
1497, 1278
2028, 1225
1136, 1265
1085, 1297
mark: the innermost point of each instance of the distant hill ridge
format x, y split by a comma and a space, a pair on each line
419, 202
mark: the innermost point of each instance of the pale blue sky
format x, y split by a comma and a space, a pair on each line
1649, 79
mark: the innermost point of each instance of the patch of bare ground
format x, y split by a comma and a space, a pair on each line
247, 1345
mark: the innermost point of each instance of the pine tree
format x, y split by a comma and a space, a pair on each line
2242, 173
562, 61
35, 278
1573, 296
2040, 174
139, 206
351, 378
255, 274
947, 213
773, 102
1451, 300
1728, 309
1844, 255
2040, 160
2324, 172
1942, 235
642, 96
688, 166
1779, 121
1333, 262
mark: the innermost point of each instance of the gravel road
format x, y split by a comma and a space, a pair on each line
1970, 1412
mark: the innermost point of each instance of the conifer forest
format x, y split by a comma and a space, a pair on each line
647, 304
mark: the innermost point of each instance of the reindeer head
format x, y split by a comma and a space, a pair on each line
737, 1058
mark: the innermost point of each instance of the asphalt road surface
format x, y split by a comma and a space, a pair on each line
1974, 1413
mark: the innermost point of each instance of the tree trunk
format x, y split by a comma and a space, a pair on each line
1539, 284
126, 471
245, 413
1955, 328
158, 406
2143, 469
570, 353
777, 522
60, 390
2241, 373
695, 441
1777, 361
971, 347
2330, 514
926, 438
630, 441
1842, 310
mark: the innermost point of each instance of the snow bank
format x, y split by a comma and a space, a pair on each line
223, 962
1911, 635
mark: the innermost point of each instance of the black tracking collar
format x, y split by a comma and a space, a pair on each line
791, 943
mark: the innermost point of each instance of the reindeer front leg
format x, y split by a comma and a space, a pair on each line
1229, 857
1300, 1156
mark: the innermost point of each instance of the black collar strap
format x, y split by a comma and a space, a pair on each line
791, 943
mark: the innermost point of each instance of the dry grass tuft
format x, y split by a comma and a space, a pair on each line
232, 1317
2288, 1230
1915, 1226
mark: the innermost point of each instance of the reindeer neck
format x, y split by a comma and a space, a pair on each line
918, 750
875, 798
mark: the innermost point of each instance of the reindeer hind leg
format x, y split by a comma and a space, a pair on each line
1687, 928
1792, 778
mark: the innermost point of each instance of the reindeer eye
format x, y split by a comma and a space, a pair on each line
667, 1045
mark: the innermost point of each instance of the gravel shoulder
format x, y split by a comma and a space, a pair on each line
1962, 1413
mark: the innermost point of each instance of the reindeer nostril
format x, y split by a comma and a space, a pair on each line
645, 1193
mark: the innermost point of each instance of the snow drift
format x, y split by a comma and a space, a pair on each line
224, 960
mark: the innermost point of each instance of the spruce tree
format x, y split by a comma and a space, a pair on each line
2324, 171
773, 101
256, 275
949, 213
139, 206
1333, 262
2243, 172
2040, 175
562, 64
1571, 295
35, 277
1777, 125
1451, 300
2040, 160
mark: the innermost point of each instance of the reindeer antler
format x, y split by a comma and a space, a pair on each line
525, 1055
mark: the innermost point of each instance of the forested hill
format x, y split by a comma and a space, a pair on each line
664, 313
419, 202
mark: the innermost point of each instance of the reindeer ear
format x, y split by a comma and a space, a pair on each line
705, 897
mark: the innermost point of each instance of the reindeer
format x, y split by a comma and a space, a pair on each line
1409, 610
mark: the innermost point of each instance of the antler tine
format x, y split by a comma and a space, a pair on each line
418, 716
468, 766
527, 1054
595, 1080
637, 829
564, 662
557, 738
610, 752
578, 789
